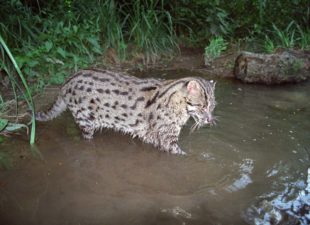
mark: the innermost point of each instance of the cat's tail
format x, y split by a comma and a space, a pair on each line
57, 108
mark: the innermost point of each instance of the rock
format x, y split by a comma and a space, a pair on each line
285, 67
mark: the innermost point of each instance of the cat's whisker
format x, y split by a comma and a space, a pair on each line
195, 126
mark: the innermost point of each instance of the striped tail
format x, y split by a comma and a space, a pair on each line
57, 108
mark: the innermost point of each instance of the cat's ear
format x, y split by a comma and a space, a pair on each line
193, 87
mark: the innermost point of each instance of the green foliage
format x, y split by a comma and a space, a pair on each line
200, 20
65, 47
258, 16
23, 87
215, 48
3, 124
112, 27
288, 38
304, 38
49, 45
51, 39
269, 45
70, 34
151, 30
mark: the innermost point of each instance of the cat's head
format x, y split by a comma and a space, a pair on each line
200, 101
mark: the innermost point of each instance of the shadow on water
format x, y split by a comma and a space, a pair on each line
255, 154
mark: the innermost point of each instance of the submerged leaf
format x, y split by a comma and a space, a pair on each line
15, 126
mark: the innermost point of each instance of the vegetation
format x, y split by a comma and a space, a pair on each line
17, 86
290, 37
51, 39
215, 48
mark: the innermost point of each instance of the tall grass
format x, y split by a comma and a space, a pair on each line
151, 30
23, 88
196, 22
215, 48
292, 36
286, 38
112, 21
304, 38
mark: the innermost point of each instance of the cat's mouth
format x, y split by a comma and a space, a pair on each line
202, 121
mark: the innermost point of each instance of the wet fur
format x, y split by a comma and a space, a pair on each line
151, 109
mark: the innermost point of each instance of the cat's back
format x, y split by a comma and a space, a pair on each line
92, 83
104, 97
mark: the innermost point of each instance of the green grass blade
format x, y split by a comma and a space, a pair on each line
28, 96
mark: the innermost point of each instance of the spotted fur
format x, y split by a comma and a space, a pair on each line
153, 110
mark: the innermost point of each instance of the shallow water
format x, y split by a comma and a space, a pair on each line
259, 150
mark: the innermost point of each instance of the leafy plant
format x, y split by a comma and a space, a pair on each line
25, 92
286, 38
3, 124
196, 22
215, 48
6, 126
293, 36
151, 30
65, 47
112, 27
269, 45
304, 38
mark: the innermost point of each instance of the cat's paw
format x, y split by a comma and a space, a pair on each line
178, 151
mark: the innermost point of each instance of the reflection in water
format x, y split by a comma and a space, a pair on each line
178, 212
246, 170
291, 206
245, 176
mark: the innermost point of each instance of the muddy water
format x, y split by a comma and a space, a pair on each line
257, 151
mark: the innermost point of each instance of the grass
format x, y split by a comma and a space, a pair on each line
66, 47
291, 37
151, 30
269, 45
112, 27
286, 38
215, 48
23, 87
304, 38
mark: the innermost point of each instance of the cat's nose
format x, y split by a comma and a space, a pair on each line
209, 120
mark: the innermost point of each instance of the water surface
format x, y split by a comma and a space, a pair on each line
257, 151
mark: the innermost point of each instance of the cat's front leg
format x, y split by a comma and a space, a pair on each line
170, 144
175, 149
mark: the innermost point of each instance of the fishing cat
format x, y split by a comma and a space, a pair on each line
153, 110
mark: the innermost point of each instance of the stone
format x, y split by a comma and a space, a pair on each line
289, 66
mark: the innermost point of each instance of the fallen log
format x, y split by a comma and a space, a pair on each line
284, 67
